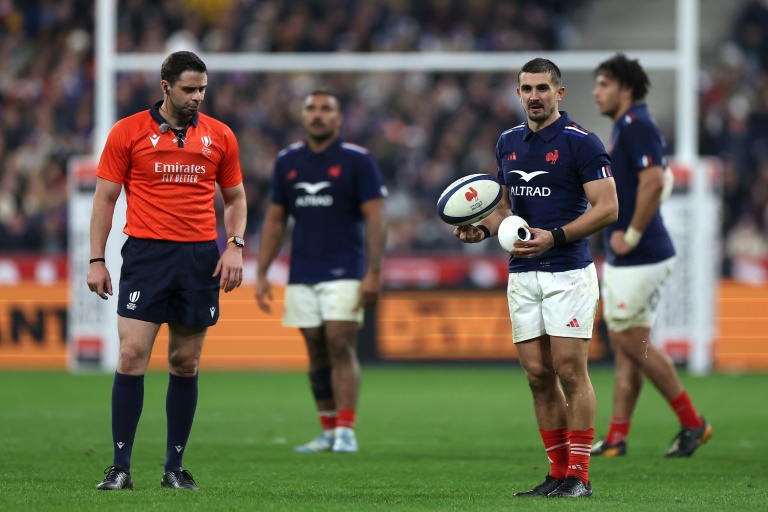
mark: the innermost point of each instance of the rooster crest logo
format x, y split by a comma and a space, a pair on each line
471, 195
552, 157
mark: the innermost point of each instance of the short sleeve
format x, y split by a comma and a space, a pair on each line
499, 169
592, 159
229, 173
276, 193
643, 145
115, 160
369, 183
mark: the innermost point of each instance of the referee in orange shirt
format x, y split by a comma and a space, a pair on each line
169, 159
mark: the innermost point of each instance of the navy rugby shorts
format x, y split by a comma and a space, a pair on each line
163, 281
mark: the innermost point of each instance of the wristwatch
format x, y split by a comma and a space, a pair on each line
238, 240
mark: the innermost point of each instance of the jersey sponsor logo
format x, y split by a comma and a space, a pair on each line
179, 168
522, 190
312, 199
154, 139
527, 176
179, 173
312, 188
133, 298
552, 157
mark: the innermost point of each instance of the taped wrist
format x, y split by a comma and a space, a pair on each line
632, 236
485, 230
559, 235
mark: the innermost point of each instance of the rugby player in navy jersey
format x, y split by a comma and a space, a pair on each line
640, 257
335, 194
551, 169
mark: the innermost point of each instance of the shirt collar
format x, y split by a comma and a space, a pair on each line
155, 113
550, 131
336, 144
635, 108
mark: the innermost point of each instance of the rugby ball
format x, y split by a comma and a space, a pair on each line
511, 230
469, 199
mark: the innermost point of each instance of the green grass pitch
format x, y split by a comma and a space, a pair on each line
431, 438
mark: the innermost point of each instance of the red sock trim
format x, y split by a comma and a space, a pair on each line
581, 449
556, 445
618, 430
327, 420
685, 411
345, 418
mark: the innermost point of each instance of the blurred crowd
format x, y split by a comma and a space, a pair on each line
426, 129
734, 127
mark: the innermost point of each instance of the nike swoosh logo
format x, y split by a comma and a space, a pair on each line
312, 188
528, 176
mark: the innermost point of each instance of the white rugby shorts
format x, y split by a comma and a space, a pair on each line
631, 294
310, 305
556, 303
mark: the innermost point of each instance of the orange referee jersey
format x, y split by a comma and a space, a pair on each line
170, 183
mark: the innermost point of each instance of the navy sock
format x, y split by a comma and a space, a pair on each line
127, 402
180, 405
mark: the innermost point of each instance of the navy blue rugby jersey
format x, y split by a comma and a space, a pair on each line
545, 173
636, 143
324, 193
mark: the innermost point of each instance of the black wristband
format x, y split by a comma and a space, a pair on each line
485, 230
559, 235
96, 260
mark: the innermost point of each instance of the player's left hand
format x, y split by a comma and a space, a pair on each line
541, 241
230, 266
618, 245
370, 289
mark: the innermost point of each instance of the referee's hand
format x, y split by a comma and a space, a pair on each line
99, 280
230, 269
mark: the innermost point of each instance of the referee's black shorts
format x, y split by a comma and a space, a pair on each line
163, 281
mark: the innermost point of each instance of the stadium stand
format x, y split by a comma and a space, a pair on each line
425, 129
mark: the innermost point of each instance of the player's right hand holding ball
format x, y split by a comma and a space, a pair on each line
468, 234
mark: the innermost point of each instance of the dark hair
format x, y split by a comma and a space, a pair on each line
540, 65
177, 63
628, 73
324, 92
